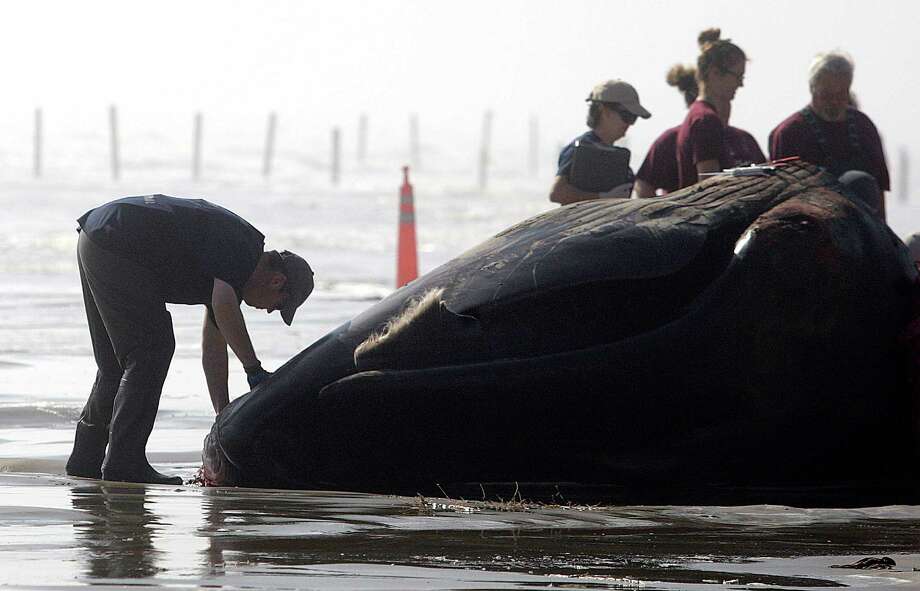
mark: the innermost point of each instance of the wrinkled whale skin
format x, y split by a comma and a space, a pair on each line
739, 335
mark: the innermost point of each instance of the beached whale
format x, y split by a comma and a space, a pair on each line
740, 334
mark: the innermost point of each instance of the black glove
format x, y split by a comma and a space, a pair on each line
255, 375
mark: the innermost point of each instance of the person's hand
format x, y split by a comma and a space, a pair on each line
255, 375
620, 191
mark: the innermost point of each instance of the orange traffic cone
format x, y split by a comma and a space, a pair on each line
407, 252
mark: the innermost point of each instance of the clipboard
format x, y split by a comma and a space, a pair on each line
597, 168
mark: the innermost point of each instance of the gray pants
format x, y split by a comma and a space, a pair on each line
133, 344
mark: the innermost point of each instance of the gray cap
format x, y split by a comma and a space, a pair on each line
299, 283
620, 92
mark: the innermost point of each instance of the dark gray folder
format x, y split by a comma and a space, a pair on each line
597, 168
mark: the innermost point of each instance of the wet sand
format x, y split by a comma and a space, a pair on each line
57, 532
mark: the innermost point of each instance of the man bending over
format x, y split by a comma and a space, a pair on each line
137, 254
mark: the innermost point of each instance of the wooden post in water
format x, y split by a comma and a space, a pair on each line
269, 145
336, 155
362, 139
414, 156
903, 174
37, 147
113, 137
484, 148
534, 153
196, 147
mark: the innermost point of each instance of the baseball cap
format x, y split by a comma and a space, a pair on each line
299, 283
618, 91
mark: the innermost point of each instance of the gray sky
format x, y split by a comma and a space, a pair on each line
323, 63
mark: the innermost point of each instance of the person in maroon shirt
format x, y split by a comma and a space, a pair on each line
659, 170
831, 132
701, 145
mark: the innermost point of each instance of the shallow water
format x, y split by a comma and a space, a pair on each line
58, 532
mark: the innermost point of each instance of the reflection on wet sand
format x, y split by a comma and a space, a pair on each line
119, 544
316, 534
286, 528
99, 533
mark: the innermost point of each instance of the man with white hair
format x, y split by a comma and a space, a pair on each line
831, 132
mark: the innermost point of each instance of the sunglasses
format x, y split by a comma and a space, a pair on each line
628, 117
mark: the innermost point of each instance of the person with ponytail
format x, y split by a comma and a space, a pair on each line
701, 145
659, 174
659, 169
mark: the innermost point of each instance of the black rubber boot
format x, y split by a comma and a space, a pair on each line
132, 422
135, 409
89, 444
146, 474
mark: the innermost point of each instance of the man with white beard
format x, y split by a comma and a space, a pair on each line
831, 132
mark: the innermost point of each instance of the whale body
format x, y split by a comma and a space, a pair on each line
736, 340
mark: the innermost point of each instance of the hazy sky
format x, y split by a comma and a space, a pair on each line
322, 63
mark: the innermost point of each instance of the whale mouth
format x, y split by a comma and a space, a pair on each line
216, 467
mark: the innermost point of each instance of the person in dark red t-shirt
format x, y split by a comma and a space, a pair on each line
701, 138
659, 170
830, 131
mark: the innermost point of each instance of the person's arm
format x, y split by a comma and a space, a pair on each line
877, 154
644, 189
707, 135
231, 324
790, 138
708, 166
565, 193
215, 363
